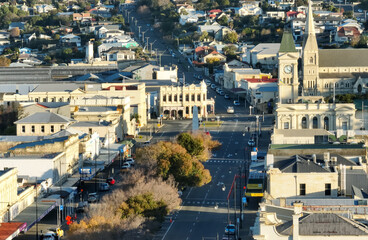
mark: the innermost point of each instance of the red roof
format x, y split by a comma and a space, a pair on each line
215, 11
293, 13
263, 80
212, 15
9, 228
201, 50
348, 32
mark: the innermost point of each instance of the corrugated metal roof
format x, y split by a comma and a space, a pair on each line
343, 57
45, 117
37, 143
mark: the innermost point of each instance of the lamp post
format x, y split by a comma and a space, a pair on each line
8, 206
250, 110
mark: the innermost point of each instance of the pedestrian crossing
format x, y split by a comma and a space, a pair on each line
225, 161
204, 203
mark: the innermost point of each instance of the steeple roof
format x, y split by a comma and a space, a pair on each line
287, 43
310, 41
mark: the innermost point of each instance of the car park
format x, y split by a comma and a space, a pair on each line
230, 109
230, 229
236, 103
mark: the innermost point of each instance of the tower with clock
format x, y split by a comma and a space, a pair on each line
288, 70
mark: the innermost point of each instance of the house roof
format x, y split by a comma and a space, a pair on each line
41, 142
56, 87
324, 224
259, 80
215, 11
298, 164
52, 104
348, 31
44, 117
343, 57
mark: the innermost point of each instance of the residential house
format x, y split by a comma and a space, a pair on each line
61, 108
33, 36
119, 54
191, 17
70, 40
185, 9
252, 9
43, 8
100, 31
282, 4
100, 12
4, 38
290, 15
209, 28
220, 34
233, 75
81, 16
25, 50
271, 15
214, 55
62, 30
42, 124
348, 30
166, 73
104, 47
20, 25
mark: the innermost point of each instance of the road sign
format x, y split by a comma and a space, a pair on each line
161, 115
253, 156
244, 200
61, 207
85, 171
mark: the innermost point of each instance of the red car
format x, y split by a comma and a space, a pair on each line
110, 181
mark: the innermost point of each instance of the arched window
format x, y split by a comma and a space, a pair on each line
315, 122
326, 125
170, 98
180, 97
187, 97
304, 123
199, 97
164, 98
175, 98
359, 88
193, 97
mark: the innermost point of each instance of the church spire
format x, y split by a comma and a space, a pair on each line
309, 28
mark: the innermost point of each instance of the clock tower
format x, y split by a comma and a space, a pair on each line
288, 70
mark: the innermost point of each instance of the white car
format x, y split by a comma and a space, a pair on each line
130, 161
230, 110
104, 187
125, 166
92, 197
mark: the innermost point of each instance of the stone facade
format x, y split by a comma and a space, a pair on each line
8, 189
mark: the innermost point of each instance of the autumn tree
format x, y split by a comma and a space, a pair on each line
4, 61
15, 32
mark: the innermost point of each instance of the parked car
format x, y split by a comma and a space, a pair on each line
130, 161
92, 197
230, 229
226, 96
104, 187
230, 109
81, 206
213, 86
50, 236
125, 166
222, 93
251, 143
236, 103
110, 181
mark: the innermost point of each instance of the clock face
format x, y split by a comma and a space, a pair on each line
287, 69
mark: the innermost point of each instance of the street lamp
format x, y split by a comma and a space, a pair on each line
250, 110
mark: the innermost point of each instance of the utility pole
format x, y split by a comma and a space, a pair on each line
36, 212
147, 42
139, 31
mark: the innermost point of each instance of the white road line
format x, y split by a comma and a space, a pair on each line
189, 193
168, 230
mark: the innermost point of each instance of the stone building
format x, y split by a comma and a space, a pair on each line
178, 101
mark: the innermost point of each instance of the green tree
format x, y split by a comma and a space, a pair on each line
231, 37
203, 36
193, 145
223, 21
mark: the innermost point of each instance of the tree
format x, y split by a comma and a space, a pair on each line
223, 21
204, 36
15, 32
231, 37
4, 61
193, 145
229, 50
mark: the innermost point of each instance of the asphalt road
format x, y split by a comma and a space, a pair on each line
198, 217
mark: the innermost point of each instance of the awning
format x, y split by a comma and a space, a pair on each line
10, 230
28, 215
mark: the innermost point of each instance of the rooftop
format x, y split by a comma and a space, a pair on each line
44, 117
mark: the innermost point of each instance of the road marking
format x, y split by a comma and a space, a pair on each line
190, 230
189, 193
168, 230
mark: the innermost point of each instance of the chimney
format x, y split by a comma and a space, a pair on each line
314, 158
326, 156
298, 207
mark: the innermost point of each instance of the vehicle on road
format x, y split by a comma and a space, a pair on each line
236, 103
251, 143
230, 109
92, 197
213, 86
104, 187
230, 229
130, 161
221, 93
50, 236
125, 166
110, 181
81, 206
226, 96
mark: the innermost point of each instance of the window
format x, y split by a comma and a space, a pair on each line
52, 128
311, 60
302, 189
180, 97
170, 98
187, 97
23, 128
304, 123
42, 128
199, 97
328, 189
187, 110
33, 129
286, 125
315, 122
193, 97
175, 98
164, 98
90, 130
